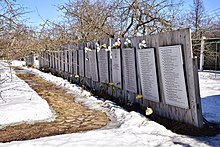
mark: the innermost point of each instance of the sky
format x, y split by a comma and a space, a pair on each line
47, 9
41, 10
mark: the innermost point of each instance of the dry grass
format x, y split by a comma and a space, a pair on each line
70, 116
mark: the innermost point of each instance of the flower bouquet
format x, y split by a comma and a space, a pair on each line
127, 43
103, 46
117, 44
142, 45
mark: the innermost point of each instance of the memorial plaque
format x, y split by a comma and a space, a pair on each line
66, 61
129, 70
116, 68
173, 79
81, 62
68, 58
59, 62
56, 60
70, 61
148, 74
87, 65
47, 59
75, 63
42, 59
50, 59
93, 65
103, 66
53, 60
63, 61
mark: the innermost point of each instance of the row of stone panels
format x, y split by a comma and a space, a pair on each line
97, 68
156, 74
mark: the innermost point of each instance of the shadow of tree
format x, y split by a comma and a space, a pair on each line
211, 107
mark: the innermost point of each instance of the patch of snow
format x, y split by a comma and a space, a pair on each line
209, 84
18, 63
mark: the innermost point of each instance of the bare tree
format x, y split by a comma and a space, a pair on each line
11, 28
89, 20
102, 19
142, 17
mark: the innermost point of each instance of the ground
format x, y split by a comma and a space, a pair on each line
70, 116
128, 128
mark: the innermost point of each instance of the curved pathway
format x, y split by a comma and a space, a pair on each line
70, 116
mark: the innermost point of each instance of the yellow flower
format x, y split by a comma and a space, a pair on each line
111, 84
103, 46
76, 76
148, 111
139, 96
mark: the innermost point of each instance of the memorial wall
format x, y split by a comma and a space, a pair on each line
162, 73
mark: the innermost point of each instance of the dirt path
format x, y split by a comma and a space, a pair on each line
70, 116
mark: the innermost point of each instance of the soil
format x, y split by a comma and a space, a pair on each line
70, 116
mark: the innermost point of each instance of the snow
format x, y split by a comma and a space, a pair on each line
210, 94
19, 103
130, 128
18, 63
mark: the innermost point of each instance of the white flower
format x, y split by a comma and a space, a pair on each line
87, 49
98, 49
97, 44
142, 44
129, 41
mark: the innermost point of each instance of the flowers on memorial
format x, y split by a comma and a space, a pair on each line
87, 49
139, 96
142, 45
127, 43
117, 44
97, 46
148, 111
111, 84
76, 76
103, 46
